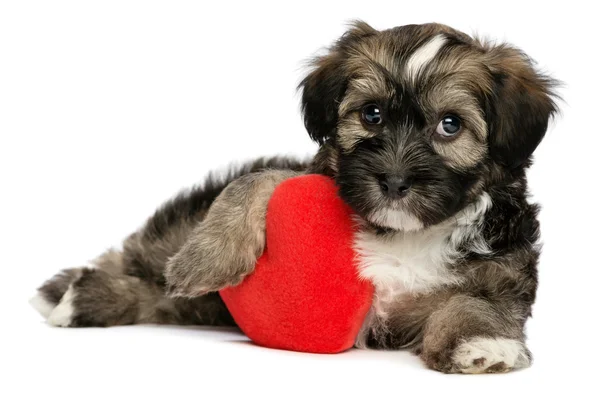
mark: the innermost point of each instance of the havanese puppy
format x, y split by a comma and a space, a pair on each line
428, 134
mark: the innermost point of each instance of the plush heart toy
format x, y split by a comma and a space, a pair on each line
304, 294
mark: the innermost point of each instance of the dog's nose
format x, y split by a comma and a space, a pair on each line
394, 186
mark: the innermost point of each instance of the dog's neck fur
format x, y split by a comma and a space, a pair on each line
325, 161
421, 261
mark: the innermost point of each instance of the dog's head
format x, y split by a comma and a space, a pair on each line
417, 120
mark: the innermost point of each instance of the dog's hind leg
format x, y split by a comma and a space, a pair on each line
107, 296
129, 286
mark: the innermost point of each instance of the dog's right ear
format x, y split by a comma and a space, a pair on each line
524, 101
324, 87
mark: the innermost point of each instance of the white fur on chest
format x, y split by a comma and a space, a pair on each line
412, 262
421, 261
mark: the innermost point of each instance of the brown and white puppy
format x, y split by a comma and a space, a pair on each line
427, 133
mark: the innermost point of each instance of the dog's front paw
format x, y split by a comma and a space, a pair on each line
209, 262
480, 355
490, 355
224, 248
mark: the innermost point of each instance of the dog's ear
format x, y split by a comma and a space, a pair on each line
324, 87
520, 107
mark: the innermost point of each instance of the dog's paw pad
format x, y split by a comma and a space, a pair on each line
490, 355
500, 367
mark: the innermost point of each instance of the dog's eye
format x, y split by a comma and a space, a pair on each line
371, 114
449, 126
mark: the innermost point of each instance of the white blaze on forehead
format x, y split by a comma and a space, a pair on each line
423, 55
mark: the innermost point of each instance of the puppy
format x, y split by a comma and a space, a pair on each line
428, 133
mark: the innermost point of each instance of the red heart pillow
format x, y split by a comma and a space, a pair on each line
305, 294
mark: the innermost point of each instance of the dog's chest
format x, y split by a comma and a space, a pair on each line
407, 263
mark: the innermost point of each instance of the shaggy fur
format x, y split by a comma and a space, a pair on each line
224, 247
445, 232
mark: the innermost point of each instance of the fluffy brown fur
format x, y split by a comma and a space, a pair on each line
428, 133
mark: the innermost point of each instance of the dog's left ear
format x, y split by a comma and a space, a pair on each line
520, 108
324, 87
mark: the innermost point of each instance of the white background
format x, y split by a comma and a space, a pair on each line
108, 108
